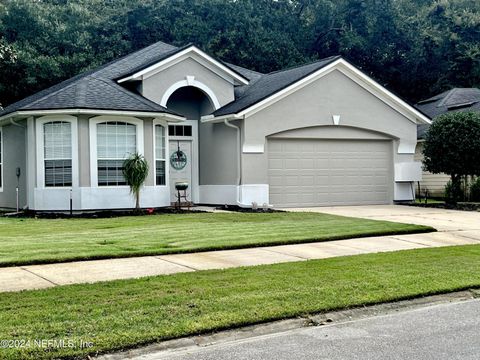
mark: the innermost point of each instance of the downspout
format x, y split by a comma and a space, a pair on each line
239, 163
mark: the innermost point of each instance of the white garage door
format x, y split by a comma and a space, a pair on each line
329, 172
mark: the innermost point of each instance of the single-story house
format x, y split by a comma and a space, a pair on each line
318, 134
456, 99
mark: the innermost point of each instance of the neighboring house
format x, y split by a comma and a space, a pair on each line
457, 99
319, 134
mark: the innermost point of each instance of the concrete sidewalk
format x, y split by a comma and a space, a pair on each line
455, 228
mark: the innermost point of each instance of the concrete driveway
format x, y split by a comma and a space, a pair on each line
449, 223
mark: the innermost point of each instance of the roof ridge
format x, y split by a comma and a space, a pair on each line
56, 91
446, 97
242, 67
303, 65
140, 67
113, 84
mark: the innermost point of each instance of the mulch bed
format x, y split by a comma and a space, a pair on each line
236, 208
103, 214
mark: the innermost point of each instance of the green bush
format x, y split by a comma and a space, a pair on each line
452, 145
453, 192
475, 190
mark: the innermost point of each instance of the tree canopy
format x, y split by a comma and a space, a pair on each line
452, 144
415, 47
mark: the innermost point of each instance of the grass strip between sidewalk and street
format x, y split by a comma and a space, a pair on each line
35, 241
128, 313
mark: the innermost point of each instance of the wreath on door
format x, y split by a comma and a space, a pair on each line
178, 160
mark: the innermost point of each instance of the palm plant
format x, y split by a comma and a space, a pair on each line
135, 171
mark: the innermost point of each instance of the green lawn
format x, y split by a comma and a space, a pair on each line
28, 241
122, 314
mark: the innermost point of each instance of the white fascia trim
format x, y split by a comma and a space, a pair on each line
93, 142
190, 49
26, 113
347, 69
40, 149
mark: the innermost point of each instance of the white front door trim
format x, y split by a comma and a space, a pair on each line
195, 192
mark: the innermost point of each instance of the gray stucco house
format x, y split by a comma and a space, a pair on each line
319, 134
453, 100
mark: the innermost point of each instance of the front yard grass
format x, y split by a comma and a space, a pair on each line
29, 241
128, 313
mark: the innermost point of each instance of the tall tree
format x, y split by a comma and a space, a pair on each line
415, 47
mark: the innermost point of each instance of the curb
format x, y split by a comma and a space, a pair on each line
169, 347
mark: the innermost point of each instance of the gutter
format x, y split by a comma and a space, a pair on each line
218, 119
169, 117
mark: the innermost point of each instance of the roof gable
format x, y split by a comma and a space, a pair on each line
274, 86
214, 65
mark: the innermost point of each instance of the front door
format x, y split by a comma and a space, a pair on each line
180, 166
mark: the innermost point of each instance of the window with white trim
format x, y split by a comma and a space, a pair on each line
116, 140
1, 158
180, 130
160, 177
57, 153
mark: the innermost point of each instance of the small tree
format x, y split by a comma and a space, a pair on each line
135, 170
452, 146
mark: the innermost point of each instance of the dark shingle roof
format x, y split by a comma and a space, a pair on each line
97, 89
456, 99
246, 73
266, 85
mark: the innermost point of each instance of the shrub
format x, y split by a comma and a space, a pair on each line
452, 146
475, 190
453, 192
135, 171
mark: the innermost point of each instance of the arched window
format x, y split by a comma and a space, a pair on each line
116, 140
57, 153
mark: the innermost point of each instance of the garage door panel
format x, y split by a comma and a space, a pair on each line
329, 172
275, 163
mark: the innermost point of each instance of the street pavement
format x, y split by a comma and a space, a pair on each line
447, 331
